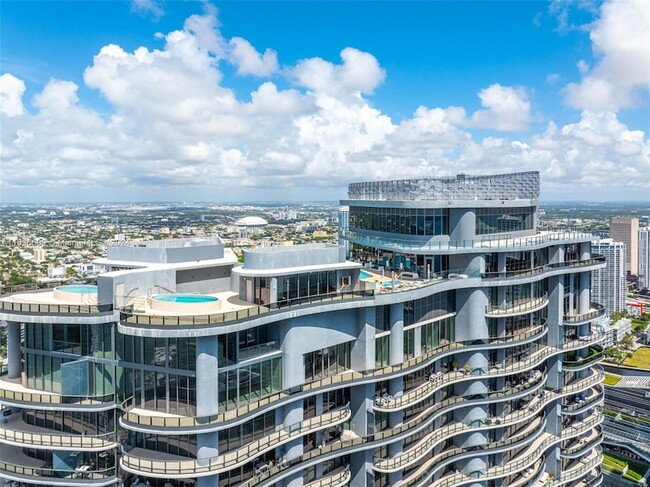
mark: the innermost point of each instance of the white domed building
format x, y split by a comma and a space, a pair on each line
251, 222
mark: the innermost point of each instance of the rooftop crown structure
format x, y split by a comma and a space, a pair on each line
451, 346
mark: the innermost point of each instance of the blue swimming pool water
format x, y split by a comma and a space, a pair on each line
391, 283
185, 298
78, 289
364, 275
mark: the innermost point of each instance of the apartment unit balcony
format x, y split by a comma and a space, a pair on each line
595, 261
152, 464
519, 307
595, 311
337, 479
15, 431
577, 447
18, 467
236, 310
594, 396
424, 446
575, 362
576, 469
13, 393
441, 246
538, 442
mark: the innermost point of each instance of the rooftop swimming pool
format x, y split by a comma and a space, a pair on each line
185, 298
364, 275
77, 289
390, 284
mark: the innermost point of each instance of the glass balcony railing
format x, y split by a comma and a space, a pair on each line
594, 260
59, 477
525, 305
595, 355
595, 311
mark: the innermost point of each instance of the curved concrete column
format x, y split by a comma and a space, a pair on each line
584, 302
396, 334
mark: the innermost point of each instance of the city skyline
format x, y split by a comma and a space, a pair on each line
220, 102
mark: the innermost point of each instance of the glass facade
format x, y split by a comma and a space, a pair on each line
245, 384
405, 221
303, 285
429, 307
328, 361
382, 351
438, 333
503, 220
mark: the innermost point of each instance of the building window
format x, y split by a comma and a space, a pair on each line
382, 351
405, 221
502, 220
328, 361
409, 344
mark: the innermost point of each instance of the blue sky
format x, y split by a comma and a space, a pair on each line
557, 87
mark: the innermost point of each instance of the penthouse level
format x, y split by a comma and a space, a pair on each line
304, 366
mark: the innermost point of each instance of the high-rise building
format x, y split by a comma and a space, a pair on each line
454, 348
609, 285
626, 230
643, 280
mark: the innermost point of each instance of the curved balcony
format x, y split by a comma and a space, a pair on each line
18, 433
536, 437
48, 476
595, 311
439, 380
595, 378
572, 264
520, 307
579, 446
581, 404
178, 469
530, 476
424, 446
579, 427
578, 468
338, 479
579, 363
495, 242
13, 393
129, 318
592, 339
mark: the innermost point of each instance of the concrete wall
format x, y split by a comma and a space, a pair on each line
297, 256
204, 280
154, 254
118, 287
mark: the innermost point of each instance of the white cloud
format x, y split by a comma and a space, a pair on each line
174, 125
11, 94
249, 61
506, 108
359, 74
621, 42
148, 7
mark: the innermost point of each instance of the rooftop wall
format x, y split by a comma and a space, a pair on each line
168, 251
514, 186
294, 256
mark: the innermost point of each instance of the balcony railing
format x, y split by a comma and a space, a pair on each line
10, 395
517, 307
595, 355
54, 309
595, 259
130, 318
336, 480
58, 477
488, 242
206, 466
595, 311
57, 440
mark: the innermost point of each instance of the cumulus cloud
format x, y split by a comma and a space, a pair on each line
621, 42
249, 61
174, 124
148, 7
11, 94
506, 108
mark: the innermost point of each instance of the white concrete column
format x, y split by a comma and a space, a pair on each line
207, 401
585, 292
396, 334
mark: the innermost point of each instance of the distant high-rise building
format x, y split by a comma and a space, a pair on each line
626, 230
608, 284
39, 255
644, 258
